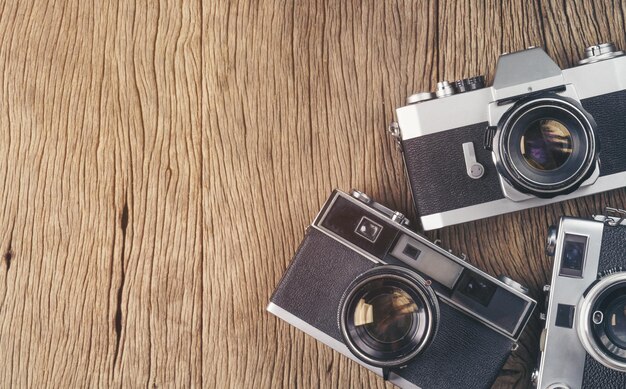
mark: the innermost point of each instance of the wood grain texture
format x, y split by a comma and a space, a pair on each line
101, 278
299, 96
160, 161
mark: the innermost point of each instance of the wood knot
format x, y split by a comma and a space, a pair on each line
124, 217
8, 256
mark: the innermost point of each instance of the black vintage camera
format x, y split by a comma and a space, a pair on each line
364, 284
538, 135
583, 344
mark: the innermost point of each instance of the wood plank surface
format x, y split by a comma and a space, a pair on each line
101, 279
160, 161
300, 95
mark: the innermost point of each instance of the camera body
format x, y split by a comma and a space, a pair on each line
583, 344
539, 135
364, 284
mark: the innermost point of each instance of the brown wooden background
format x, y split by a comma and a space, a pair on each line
159, 162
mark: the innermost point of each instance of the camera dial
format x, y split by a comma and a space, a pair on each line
444, 89
419, 97
600, 52
470, 84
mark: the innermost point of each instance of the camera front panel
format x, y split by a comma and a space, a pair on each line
575, 268
463, 354
609, 112
612, 258
454, 281
437, 171
434, 131
349, 238
320, 272
584, 249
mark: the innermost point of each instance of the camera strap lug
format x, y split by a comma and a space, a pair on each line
489, 134
386, 371
614, 216
396, 133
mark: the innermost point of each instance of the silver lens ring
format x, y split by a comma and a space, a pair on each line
585, 310
578, 172
415, 342
563, 179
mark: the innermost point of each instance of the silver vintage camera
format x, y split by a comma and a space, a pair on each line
364, 284
583, 344
539, 135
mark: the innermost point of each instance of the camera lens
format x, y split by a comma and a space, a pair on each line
388, 316
546, 146
616, 322
608, 321
601, 321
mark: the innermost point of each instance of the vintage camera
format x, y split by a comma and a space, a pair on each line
583, 344
539, 135
364, 284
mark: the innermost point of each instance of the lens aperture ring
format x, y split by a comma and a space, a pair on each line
572, 128
388, 315
601, 321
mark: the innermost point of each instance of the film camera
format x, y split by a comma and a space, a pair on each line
539, 135
583, 344
364, 284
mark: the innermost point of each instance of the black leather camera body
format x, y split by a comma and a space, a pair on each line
539, 135
583, 344
364, 284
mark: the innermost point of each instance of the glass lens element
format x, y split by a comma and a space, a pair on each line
546, 144
387, 315
616, 322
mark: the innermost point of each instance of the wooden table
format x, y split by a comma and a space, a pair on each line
160, 161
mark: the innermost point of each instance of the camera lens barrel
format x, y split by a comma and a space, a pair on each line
546, 146
388, 316
601, 321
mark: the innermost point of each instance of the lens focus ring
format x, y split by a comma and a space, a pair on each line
601, 321
546, 146
388, 316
